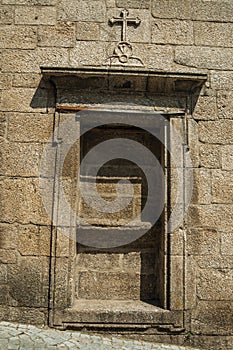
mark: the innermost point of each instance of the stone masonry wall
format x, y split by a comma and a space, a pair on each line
174, 35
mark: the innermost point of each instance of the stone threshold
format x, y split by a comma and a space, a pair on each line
117, 314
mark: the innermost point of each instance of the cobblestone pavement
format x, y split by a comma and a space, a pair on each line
19, 336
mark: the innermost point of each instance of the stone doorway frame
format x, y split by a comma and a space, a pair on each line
172, 317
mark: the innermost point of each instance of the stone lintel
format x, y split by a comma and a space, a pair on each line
125, 78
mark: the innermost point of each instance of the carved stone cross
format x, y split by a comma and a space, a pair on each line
125, 20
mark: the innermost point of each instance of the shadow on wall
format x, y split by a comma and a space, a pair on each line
45, 95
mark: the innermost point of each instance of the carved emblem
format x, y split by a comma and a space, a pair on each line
123, 52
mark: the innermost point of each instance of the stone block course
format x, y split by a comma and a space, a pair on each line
204, 57
33, 240
225, 104
222, 186
202, 186
20, 159
30, 277
82, 10
101, 285
13, 37
203, 241
213, 34
210, 156
138, 4
20, 100
3, 124
29, 61
7, 258
206, 108
35, 15
22, 127
210, 285
26, 80
171, 9
226, 243
30, 2
203, 10
216, 132
217, 216
6, 14
212, 317
62, 35
88, 31
19, 197
172, 32
227, 157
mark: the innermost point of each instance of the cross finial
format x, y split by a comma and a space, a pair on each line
125, 20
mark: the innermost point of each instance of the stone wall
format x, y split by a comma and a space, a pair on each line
174, 36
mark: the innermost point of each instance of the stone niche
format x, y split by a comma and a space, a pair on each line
133, 284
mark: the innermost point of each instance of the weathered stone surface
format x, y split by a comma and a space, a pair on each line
221, 80
35, 15
212, 317
88, 53
227, 157
206, 108
20, 100
20, 159
82, 10
225, 104
212, 10
210, 261
62, 35
7, 258
29, 127
33, 240
226, 243
25, 315
14, 37
3, 124
203, 241
3, 274
201, 186
204, 57
8, 236
219, 132
217, 216
26, 80
30, 2
6, 14
176, 239
193, 144
191, 297
87, 31
21, 201
210, 285
98, 262
171, 9
28, 281
176, 297
137, 4
101, 285
172, 32
155, 56
210, 156
213, 34
5, 81
222, 186
211, 342
29, 61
